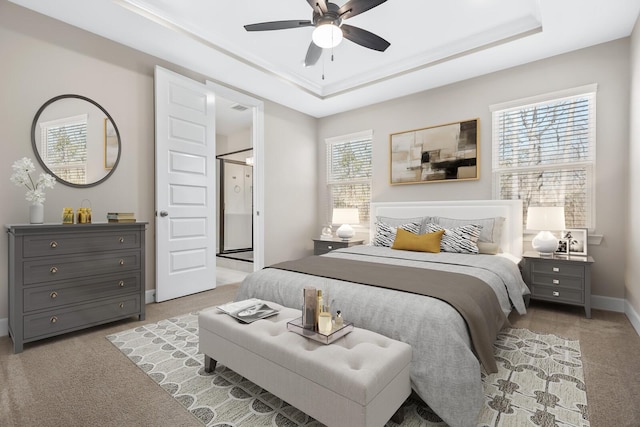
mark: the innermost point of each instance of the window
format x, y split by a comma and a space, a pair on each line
544, 153
349, 173
64, 147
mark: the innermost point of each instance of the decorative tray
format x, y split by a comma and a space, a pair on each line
296, 326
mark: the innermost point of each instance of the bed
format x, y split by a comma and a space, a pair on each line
445, 369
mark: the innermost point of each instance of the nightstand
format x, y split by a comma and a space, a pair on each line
322, 246
561, 278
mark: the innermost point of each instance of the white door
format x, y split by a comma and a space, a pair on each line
185, 186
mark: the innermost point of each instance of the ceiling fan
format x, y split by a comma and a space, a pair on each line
327, 18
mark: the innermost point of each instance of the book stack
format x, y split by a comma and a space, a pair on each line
120, 217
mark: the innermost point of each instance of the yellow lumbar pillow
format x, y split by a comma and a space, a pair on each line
408, 241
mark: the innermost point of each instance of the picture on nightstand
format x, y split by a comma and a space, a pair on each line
563, 248
573, 241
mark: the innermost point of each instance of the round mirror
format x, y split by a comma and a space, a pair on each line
76, 140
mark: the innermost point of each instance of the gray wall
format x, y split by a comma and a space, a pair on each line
632, 282
43, 58
607, 65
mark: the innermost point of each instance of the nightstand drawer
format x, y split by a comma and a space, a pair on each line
558, 294
328, 246
557, 280
557, 268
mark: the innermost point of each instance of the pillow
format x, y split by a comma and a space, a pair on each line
490, 236
407, 241
460, 240
395, 222
386, 234
488, 248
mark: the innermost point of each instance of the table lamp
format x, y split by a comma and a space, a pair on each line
345, 216
544, 219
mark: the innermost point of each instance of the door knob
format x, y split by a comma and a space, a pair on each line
164, 213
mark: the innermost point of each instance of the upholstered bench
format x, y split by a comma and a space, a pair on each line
361, 379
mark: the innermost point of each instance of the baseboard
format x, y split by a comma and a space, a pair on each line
608, 303
633, 316
150, 296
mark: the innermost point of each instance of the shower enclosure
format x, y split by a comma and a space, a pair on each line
235, 217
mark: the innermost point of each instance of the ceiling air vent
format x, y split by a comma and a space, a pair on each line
239, 107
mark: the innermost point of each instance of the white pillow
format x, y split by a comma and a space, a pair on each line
460, 240
386, 234
490, 236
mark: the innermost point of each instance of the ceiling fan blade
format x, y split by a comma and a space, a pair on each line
364, 38
356, 7
313, 54
277, 25
319, 6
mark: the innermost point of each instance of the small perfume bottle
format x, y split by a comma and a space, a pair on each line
339, 321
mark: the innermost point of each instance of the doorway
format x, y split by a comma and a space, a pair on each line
236, 205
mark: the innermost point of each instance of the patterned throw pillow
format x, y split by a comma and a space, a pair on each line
386, 234
461, 240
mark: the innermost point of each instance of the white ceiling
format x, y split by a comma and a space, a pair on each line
433, 43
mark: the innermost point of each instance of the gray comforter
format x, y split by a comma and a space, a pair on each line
444, 372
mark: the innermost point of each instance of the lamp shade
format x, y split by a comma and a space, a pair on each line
346, 216
545, 218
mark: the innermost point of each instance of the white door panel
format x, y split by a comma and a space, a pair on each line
185, 186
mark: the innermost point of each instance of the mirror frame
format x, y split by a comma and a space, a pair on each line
37, 152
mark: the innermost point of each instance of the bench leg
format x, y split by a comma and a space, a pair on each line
209, 364
398, 417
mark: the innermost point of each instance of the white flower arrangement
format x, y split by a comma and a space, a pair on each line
22, 176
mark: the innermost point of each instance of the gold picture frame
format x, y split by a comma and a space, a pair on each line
110, 144
442, 153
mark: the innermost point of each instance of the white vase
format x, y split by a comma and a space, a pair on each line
36, 213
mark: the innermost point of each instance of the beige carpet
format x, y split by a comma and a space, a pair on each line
539, 381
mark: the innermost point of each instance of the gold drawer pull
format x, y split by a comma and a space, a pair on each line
121, 262
53, 270
556, 281
54, 319
121, 305
53, 295
556, 293
329, 247
121, 240
121, 283
556, 269
53, 244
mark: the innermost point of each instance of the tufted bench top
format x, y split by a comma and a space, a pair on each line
357, 366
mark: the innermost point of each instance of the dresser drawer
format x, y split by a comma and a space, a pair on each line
79, 291
328, 246
558, 268
54, 322
558, 280
48, 269
558, 294
70, 243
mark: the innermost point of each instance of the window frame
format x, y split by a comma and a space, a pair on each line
589, 91
366, 135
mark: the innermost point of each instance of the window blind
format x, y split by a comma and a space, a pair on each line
349, 173
544, 155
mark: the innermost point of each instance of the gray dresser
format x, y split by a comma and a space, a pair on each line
65, 277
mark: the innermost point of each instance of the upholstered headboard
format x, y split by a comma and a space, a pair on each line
511, 210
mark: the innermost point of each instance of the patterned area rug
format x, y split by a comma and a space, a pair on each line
539, 381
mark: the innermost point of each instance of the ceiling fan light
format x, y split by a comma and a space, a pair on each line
327, 35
